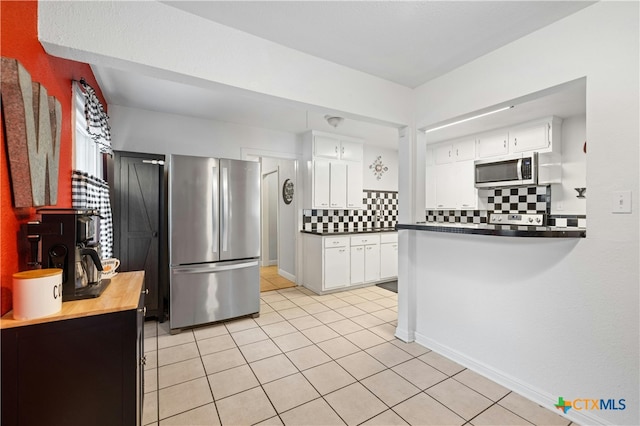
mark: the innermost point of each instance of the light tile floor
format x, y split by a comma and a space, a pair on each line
318, 360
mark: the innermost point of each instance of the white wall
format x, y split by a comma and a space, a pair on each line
179, 46
562, 325
574, 169
389, 179
160, 133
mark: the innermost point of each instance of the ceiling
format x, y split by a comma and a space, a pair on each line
405, 42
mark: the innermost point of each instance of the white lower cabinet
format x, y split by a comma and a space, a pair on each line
334, 262
388, 256
336, 268
365, 258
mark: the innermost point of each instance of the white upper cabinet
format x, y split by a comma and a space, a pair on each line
321, 177
540, 135
492, 144
338, 185
333, 178
530, 138
337, 147
351, 151
326, 146
464, 149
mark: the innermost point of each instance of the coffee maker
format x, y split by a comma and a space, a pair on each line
67, 239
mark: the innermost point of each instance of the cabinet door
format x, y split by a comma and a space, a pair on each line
354, 185
465, 150
443, 154
336, 267
372, 262
325, 146
338, 186
445, 186
466, 193
357, 265
529, 138
388, 260
492, 145
321, 184
351, 151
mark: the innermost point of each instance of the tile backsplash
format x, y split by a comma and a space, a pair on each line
384, 203
531, 200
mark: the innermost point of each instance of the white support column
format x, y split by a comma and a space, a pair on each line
409, 205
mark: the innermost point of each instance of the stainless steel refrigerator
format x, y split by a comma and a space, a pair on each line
214, 239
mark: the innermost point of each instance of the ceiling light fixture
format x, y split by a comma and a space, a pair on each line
470, 118
333, 121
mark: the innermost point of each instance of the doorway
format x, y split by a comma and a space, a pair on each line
279, 219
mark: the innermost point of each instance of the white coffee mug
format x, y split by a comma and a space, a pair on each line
109, 267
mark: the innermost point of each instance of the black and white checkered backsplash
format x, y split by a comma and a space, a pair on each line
384, 202
530, 200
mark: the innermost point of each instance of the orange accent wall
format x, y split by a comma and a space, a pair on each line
19, 40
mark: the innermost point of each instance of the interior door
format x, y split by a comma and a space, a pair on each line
138, 221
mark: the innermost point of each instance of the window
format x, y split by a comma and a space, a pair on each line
87, 157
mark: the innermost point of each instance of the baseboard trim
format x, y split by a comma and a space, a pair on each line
287, 275
405, 335
531, 392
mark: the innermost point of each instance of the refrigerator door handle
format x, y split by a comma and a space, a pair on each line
224, 217
213, 269
214, 208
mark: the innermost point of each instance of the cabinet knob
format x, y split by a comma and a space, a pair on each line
145, 291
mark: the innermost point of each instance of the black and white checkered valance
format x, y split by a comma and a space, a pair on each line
97, 119
91, 193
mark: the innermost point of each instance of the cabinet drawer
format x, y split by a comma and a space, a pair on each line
391, 237
336, 242
360, 240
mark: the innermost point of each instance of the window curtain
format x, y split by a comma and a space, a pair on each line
97, 121
93, 138
92, 193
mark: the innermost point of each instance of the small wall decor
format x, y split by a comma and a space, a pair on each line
580, 192
33, 122
287, 191
378, 167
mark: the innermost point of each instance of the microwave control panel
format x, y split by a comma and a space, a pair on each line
526, 168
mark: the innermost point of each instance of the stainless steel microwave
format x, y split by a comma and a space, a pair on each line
516, 170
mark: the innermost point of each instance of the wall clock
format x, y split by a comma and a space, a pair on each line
287, 191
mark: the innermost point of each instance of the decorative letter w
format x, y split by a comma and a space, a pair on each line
32, 122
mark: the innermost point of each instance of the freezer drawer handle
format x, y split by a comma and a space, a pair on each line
201, 270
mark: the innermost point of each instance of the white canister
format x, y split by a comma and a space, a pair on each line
37, 293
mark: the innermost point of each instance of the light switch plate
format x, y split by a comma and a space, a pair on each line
621, 202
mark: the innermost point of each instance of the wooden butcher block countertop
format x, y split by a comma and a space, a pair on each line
122, 294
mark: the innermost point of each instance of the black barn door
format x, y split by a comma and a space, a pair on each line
139, 222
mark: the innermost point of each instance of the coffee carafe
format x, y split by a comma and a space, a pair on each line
91, 265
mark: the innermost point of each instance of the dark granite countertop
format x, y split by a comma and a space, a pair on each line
497, 230
364, 231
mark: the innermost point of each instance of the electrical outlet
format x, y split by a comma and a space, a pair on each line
621, 202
